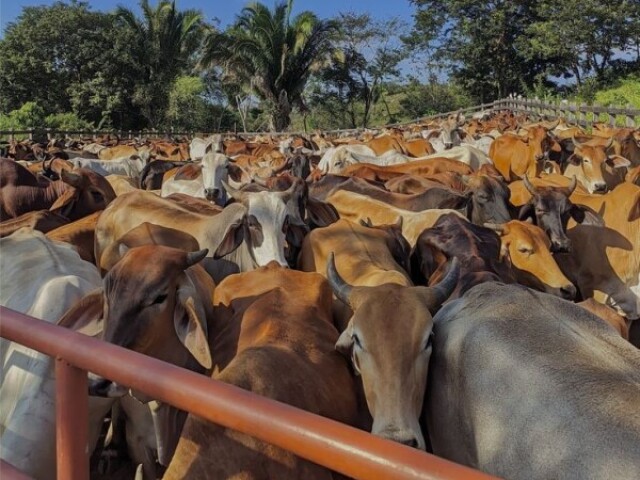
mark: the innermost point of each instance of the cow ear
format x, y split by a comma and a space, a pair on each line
235, 172
295, 234
344, 345
586, 216
616, 161
86, 316
527, 211
190, 322
321, 214
233, 238
72, 178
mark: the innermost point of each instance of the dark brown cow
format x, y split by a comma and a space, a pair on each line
477, 248
78, 193
42, 220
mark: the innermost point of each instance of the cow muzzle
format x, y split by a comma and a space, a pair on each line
102, 387
403, 436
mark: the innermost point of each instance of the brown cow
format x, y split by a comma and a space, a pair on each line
78, 193
597, 171
80, 234
42, 220
272, 334
389, 342
514, 156
423, 168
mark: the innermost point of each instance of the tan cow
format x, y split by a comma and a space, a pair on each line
528, 248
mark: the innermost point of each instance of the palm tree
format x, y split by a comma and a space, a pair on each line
166, 40
271, 55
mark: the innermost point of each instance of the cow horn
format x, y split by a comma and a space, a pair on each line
236, 194
444, 287
575, 142
340, 288
530, 187
259, 181
498, 228
196, 257
554, 125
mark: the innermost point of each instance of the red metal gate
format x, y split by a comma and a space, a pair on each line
344, 449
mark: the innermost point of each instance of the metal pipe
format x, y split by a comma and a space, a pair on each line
72, 412
339, 447
9, 472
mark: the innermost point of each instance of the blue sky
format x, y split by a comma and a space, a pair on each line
226, 10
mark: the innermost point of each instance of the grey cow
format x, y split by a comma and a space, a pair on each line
525, 385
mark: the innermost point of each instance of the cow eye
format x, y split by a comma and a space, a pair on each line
97, 196
524, 249
160, 299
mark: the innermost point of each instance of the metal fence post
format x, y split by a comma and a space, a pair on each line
72, 411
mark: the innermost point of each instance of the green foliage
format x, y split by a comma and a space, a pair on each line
66, 57
422, 100
627, 92
353, 82
271, 55
30, 115
67, 121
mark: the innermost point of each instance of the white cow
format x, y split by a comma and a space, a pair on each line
43, 279
127, 166
198, 146
337, 158
215, 168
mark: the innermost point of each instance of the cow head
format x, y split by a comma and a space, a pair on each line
589, 165
388, 339
160, 310
88, 192
550, 208
489, 199
216, 169
529, 250
266, 226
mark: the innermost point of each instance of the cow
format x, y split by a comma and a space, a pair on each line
205, 180
80, 234
78, 193
368, 257
510, 365
128, 166
604, 262
355, 207
388, 340
449, 134
477, 248
550, 208
529, 250
198, 146
124, 151
594, 169
244, 235
337, 158
43, 279
424, 168
151, 176
42, 220
161, 311
273, 335
514, 156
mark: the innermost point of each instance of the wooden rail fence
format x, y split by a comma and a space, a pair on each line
580, 114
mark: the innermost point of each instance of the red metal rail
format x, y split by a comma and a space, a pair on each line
339, 447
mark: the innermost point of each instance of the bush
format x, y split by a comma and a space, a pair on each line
28, 116
67, 121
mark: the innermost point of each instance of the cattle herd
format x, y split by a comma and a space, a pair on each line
463, 286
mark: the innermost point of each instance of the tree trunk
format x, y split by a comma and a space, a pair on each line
281, 114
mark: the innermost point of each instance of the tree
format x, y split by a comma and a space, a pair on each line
164, 42
431, 98
271, 55
579, 38
370, 53
478, 41
66, 57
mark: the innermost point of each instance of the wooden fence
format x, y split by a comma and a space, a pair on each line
580, 114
